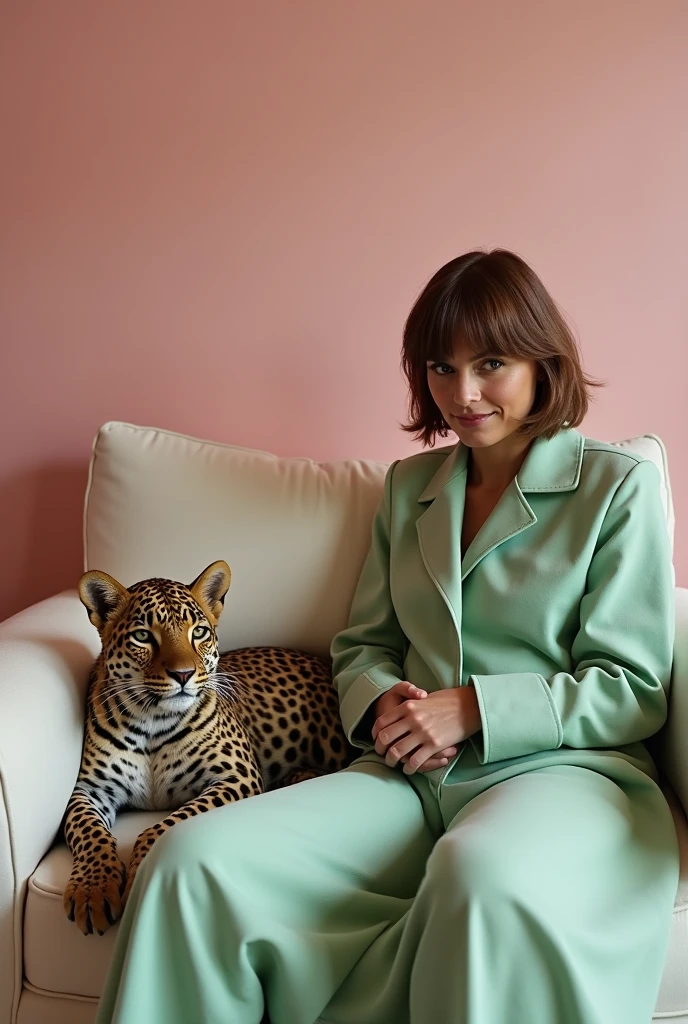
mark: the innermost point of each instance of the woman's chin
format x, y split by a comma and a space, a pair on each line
483, 437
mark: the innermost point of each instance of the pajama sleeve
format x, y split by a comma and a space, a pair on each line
617, 693
367, 657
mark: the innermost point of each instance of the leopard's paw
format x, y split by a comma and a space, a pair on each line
94, 901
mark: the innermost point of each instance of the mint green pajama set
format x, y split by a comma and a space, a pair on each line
531, 881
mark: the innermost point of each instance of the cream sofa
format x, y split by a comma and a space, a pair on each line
295, 533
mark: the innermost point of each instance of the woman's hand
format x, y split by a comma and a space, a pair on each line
395, 696
420, 731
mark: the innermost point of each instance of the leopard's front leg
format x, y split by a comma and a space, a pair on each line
216, 795
93, 897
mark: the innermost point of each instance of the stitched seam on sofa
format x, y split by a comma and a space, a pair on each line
48, 994
43, 890
18, 908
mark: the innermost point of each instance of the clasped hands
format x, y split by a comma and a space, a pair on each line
422, 729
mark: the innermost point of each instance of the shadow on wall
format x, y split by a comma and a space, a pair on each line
41, 550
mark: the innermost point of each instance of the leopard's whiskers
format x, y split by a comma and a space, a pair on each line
223, 684
110, 692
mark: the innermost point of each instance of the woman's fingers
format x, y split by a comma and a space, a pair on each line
432, 763
387, 720
397, 712
395, 696
423, 760
390, 734
414, 692
391, 712
401, 748
438, 760
403, 691
410, 746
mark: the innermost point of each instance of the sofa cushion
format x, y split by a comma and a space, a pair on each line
295, 532
57, 956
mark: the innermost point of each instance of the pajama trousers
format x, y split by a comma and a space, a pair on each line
366, 897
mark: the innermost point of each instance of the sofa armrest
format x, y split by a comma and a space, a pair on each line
673, 740
46, 654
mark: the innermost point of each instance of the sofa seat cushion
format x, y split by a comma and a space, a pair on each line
59, 959
57, 956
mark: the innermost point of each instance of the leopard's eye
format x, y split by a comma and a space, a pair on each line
200, 633
142, 636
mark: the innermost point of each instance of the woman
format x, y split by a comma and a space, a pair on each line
500, 853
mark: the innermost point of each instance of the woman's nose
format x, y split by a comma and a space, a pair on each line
466, 390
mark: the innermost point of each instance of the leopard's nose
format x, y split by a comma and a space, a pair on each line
181, 675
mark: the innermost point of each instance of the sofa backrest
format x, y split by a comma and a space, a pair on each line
294, 532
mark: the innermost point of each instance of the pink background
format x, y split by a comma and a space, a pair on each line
216, 216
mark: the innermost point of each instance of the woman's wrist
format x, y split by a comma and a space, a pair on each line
470, 710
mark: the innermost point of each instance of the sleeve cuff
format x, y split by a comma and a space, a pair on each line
363, 692
518, 716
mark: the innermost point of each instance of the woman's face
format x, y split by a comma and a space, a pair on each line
483, 397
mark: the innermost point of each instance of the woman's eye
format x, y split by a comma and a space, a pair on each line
493, 364
441, 369
200, 632
142, 636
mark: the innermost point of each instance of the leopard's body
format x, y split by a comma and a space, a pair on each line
173, 726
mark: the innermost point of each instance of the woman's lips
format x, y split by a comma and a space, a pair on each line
473, 421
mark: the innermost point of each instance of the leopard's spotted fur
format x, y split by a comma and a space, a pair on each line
173, 726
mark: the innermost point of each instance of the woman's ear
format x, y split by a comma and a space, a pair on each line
103, 597
210, 589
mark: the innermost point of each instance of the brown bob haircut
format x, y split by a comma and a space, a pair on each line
498, 305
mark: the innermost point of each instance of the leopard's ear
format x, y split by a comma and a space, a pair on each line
210, 589
103, 597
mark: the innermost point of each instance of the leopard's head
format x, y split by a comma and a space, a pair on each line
159, 642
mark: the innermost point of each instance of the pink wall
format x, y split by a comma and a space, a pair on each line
217, 215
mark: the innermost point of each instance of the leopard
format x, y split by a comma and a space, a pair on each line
172, 725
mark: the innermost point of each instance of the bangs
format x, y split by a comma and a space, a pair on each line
487, 322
